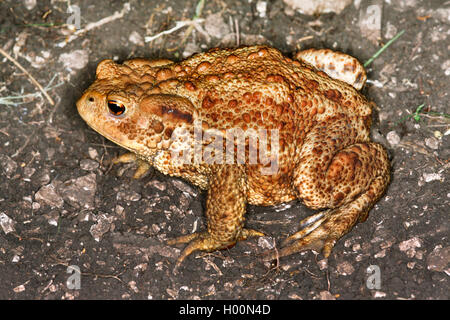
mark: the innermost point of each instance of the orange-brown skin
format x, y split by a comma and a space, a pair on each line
325, 156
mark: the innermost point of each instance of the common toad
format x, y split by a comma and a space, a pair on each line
310, 107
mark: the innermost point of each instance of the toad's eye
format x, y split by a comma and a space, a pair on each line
116, 108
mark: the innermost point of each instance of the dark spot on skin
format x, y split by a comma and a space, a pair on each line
333, 95
176, 114
168, 133
157, 126
208, 102
338, 197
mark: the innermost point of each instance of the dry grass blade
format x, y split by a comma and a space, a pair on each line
18, 65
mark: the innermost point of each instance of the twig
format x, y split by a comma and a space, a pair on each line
10, 100
194, 23
93, 25
18, 65
236, 29
178, 25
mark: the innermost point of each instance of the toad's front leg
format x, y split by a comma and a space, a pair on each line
225, 208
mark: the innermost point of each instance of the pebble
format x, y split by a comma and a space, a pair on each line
136, 38
48, 195
409, 246
93, 153
432, 143
77, 59
215, 26
29, 4
266, 243
318, 6
183, 187
7, 223
439, 259
261, 7
9, 166
345, 268
88, 164
326, 295
428, 177
393, 138
102, 226
79, 192
128, 195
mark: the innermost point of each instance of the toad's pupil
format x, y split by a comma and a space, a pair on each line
116, 108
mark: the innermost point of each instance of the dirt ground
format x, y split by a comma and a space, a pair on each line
63, 203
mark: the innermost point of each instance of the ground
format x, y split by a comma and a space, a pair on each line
63, 203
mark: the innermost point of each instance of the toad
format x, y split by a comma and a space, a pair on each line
198, 119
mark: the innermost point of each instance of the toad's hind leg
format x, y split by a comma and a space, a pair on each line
348, 182
336, 65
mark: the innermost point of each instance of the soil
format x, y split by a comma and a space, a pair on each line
63, 203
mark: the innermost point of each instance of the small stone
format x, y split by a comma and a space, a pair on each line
161, 186
132, 285
19, 289
323, 264
428, 177
128, 195
316, 7
432, 143
345, 268
93, 153
120, 211
409, 246
294, 296
266, 243
261, 7
28, 172
391, 31
136, 38
393, 138
79, 192
439, 259
326, 295
77, 59
215, 26
190, 48
437, 134
7, 223
380, 254
29, 4
52, 217
8, 165
102, 226
184, 187
88, 164
48, 195
379, 294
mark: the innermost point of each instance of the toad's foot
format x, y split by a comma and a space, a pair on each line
205, 242
320, 231
316, 233
143, 166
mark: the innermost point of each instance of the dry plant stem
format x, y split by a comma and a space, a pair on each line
18, 65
